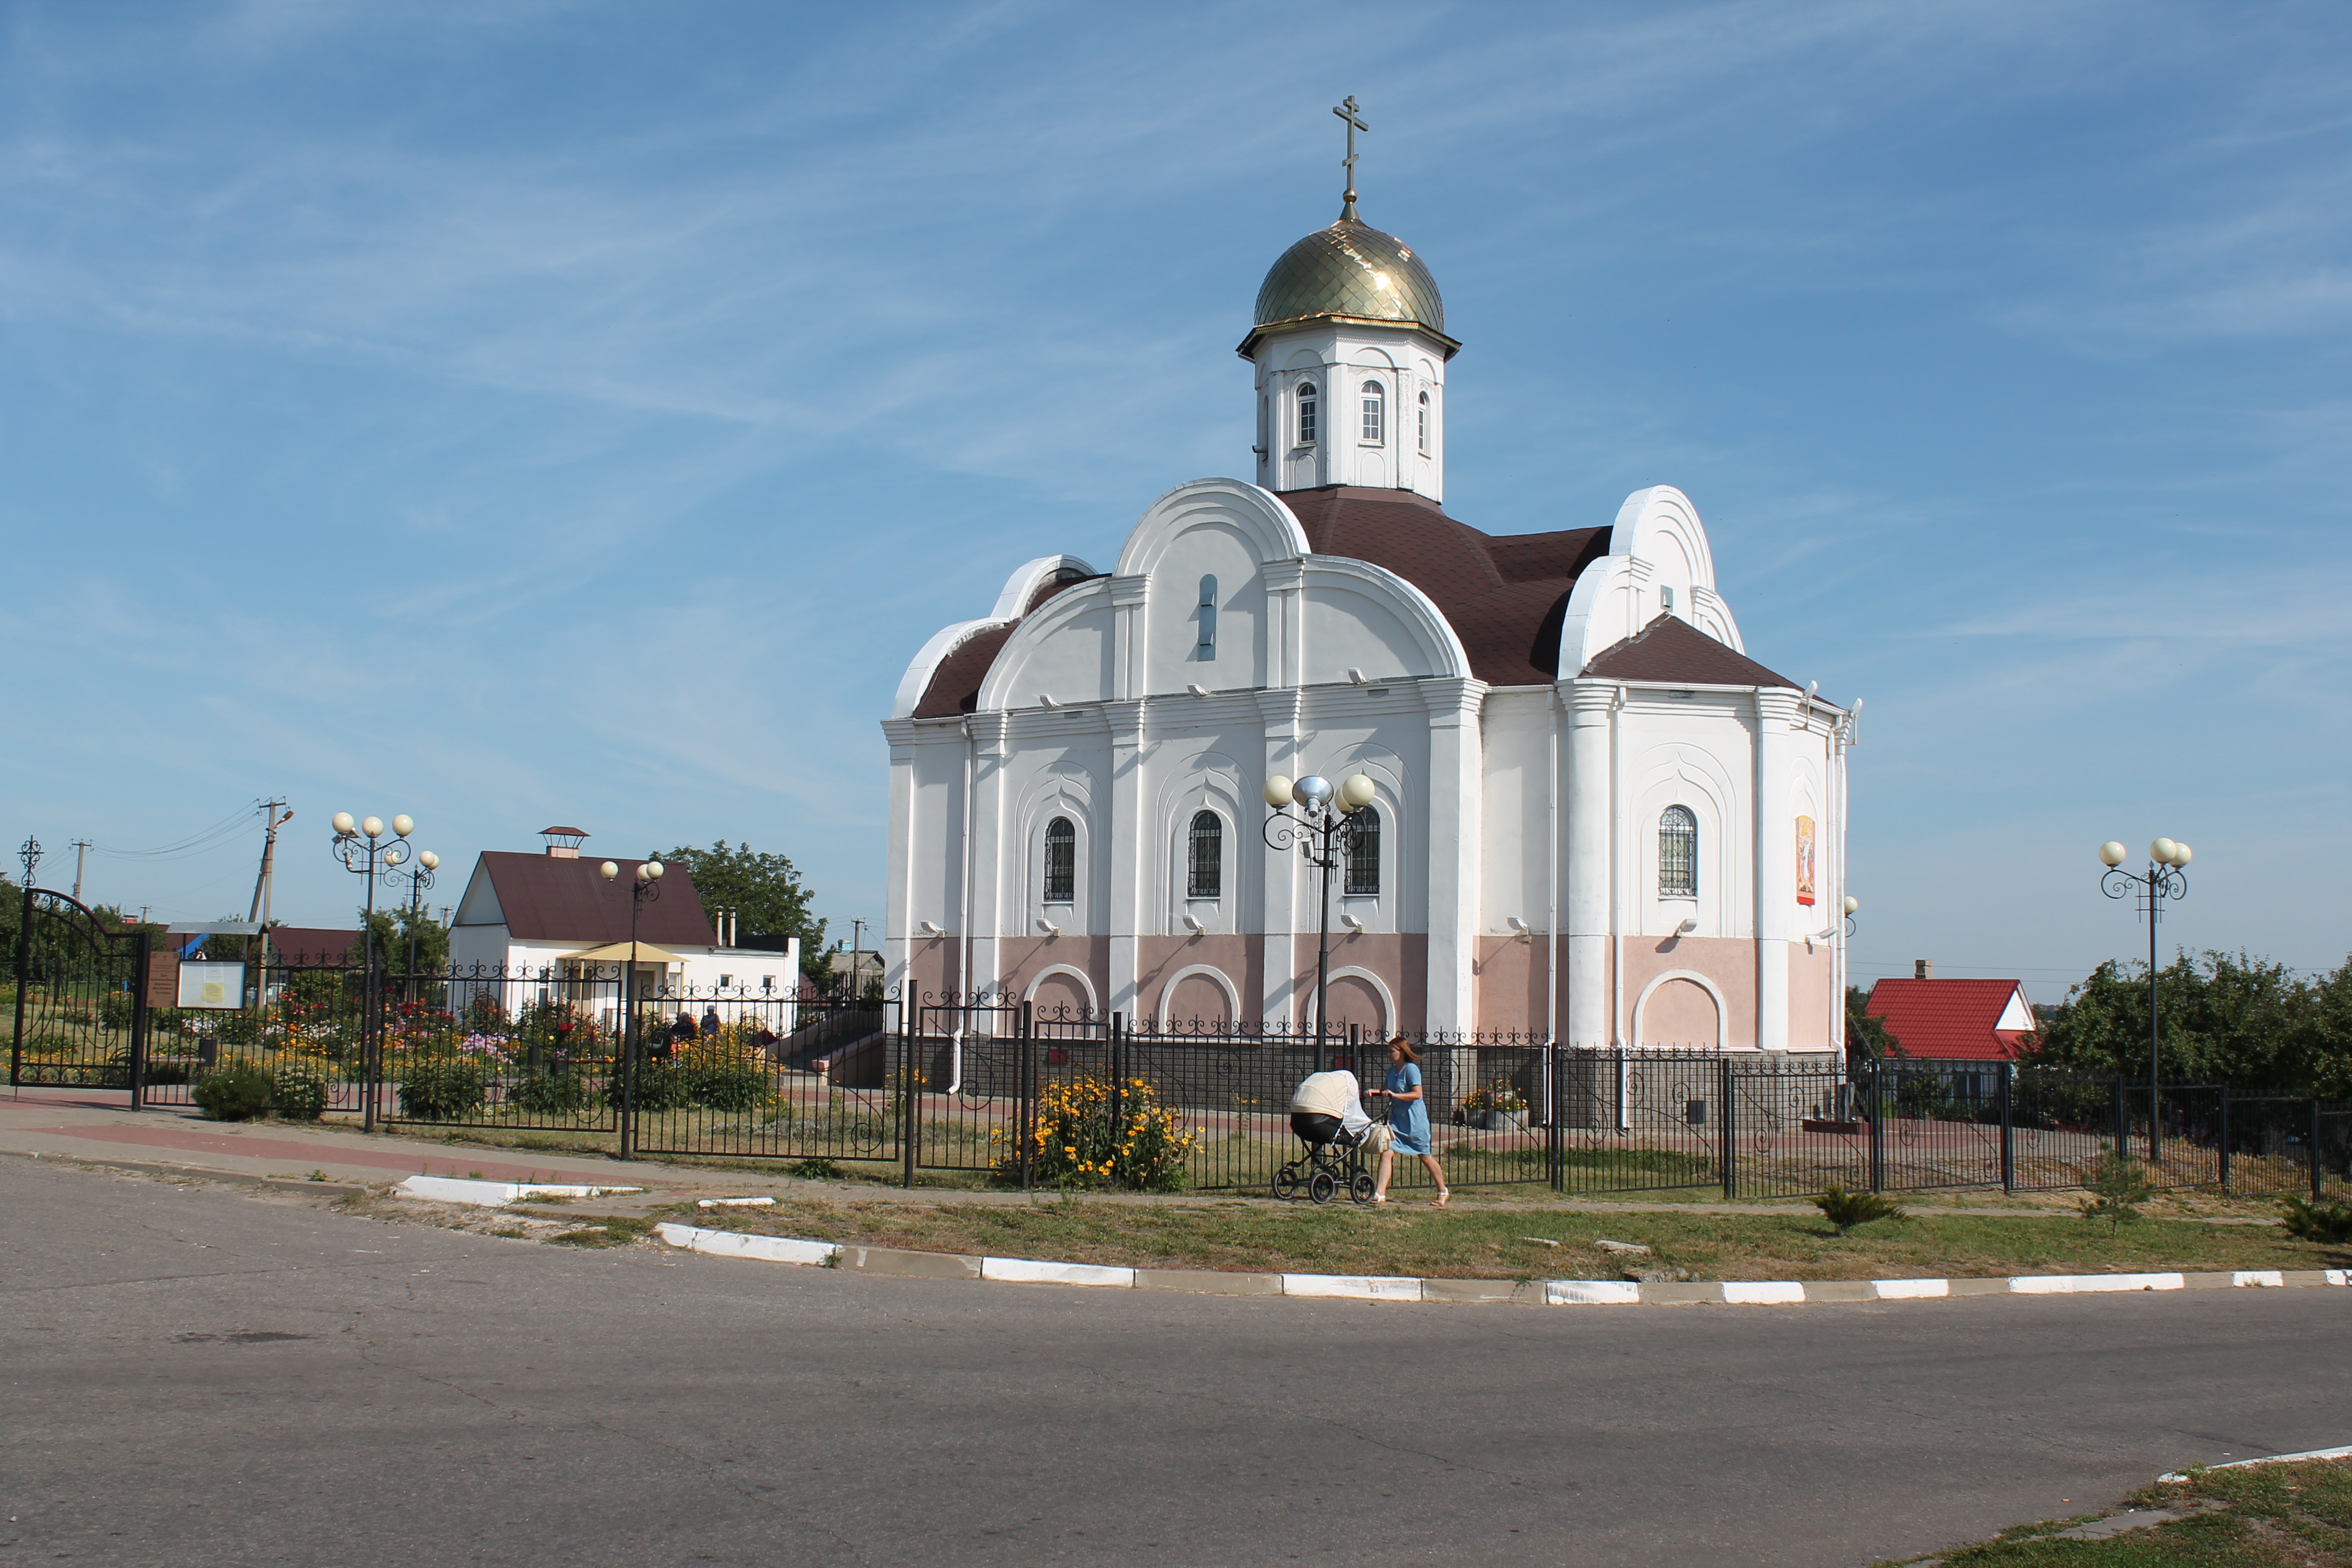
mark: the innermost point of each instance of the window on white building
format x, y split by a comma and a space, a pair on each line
1307, 414
1207, 647
1375, 414
1425, 425
1364, 851
1061, 861
1678, 853
1207, 857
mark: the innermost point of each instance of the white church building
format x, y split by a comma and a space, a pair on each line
1599, 820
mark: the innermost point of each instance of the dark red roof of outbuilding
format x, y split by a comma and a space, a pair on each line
1670, 651
1504, 596
1948, 1019
548, 898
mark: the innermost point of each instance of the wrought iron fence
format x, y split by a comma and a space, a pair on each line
990, 1085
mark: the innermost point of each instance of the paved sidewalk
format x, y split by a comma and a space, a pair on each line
99, 1126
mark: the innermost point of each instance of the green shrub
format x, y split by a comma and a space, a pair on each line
443, 1089
238, 1092
549, 1094
2117, 1185
661, 1086
815, 1169
237, 1029
298, 1093
114, 1009
2317, 1222
1845, 1210
727, 1085
169, 1071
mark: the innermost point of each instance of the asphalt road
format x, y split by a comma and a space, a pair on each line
195, 1376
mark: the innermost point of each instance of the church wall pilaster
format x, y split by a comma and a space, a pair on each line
1587, 808
995, 865
1775, 858
1128, 838
1452, 815
1279, 713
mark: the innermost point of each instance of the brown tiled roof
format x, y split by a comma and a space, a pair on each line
314, 947
1670, 651
1504, 596
548, 899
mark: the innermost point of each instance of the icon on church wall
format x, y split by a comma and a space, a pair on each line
1804, 859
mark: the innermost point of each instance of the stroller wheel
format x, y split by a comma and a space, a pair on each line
1362, 1188
1286, 1183
1321, 1186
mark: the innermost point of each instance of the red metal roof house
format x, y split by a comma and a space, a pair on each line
1954, 1020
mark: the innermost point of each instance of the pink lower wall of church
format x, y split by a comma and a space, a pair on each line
1401, 960
1681, 1012
1164, 991
1025, 965
1510, 985
1812, 998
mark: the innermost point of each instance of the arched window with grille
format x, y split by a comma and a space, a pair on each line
1206, 857
1061, 861
1678, 853
1364, 852
1307, 414
1425, 425
1375, 414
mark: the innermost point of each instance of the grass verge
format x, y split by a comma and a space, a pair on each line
2264, 1516
1521, 1243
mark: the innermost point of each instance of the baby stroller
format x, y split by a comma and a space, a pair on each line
1332, 1157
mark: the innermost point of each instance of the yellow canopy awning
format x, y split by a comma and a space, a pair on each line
618, 952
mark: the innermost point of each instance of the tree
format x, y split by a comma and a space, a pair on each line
763, 891
392, 932
1867, 1037
2226, 1018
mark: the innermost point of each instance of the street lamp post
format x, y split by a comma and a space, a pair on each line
2166, 878
646, 889
364, 851
418, 876
1324, 830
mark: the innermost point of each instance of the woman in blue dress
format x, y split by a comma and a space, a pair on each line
1408, 1121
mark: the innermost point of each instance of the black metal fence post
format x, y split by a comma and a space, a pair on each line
1024, 1095
1730, 1154
2316, 1168
143, 953
2225, 1139
2123, 1122
24, 982
1555, 1133
2008, 1128
1876, 1107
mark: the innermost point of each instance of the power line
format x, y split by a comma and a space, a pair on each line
226, 827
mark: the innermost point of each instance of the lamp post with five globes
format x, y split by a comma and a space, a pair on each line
1324, 829
646, 890
2166, 878
364, 851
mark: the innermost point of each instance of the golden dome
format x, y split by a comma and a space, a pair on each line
1350, 269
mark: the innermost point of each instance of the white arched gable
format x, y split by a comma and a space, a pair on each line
1213, 975
1658, 543
1063, 651
1256, 514
926, 661
1030, 576
1362, 616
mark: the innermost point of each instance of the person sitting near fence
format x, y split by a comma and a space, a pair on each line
1327, 1104
666, 1044
710, 1023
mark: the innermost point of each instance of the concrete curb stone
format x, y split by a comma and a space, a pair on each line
1402, 1288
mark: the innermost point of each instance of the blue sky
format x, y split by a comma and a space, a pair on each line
537, 412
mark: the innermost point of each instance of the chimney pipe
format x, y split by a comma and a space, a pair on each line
1922, 969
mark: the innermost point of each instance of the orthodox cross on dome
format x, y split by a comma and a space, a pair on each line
1347, 112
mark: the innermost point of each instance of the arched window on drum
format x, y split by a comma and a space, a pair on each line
1206, 856
1364, 852
1061, 861
1678, 853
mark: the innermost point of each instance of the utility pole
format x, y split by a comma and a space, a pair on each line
81, 849
265, 883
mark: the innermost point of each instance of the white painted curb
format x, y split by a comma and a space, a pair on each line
458, 1190
2267, 1458
739, 1244
1553, 1293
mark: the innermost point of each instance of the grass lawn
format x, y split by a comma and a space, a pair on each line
1500, 1244
2264, 1516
